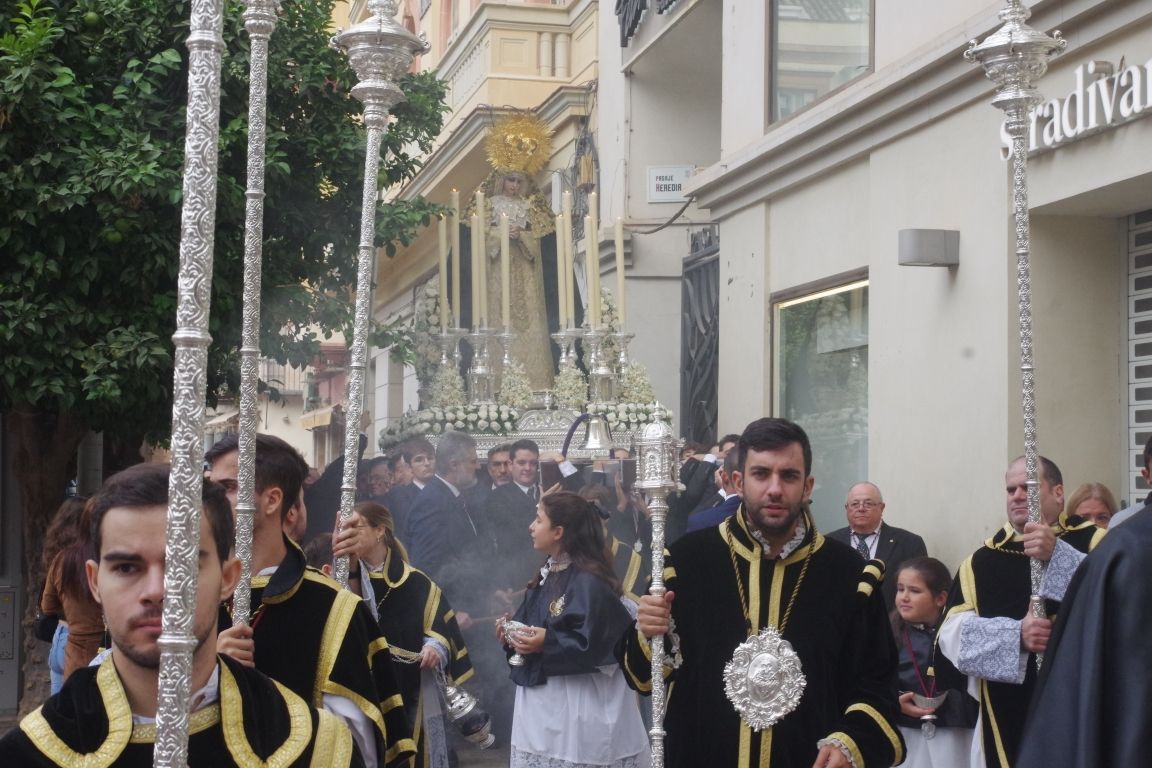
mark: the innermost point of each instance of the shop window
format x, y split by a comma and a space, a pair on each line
817, 47
821, 382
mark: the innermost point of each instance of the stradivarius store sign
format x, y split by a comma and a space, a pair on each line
1105, 96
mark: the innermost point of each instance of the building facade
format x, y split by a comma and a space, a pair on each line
853, 136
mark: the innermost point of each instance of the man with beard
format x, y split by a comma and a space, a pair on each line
109, 711
768, 567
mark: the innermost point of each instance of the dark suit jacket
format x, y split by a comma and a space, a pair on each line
399, 500
894, 547
451, 544
510, 511
710, 517
698, 478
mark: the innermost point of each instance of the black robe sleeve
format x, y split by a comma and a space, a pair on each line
1091, 708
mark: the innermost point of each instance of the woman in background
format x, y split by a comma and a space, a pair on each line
67, 546
573, 707
1093, 501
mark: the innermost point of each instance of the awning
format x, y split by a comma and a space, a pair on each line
223, 422
321, 417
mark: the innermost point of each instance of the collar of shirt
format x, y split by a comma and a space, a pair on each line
420, 485
556, 564
789, 546
865, 536
454, 489
204, 697
525, 488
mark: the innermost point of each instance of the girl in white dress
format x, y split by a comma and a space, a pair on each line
573, 708
938, 737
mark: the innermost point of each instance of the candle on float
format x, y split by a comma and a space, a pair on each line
443, 231
593, 235
505, 275
476, 260
591, 270
569, 256
561, 261
454, 232
482, 212
620, 301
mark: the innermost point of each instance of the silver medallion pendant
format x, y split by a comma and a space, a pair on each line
928, 722
928, 726
764, 680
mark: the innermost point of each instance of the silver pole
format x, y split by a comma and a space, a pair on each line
1014, 57
260, 21
380, 51
197, 235
658, 474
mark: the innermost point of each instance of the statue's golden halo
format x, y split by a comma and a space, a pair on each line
519, 142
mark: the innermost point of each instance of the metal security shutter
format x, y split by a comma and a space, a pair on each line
1139, 349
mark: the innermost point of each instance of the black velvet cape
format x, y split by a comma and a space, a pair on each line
316, 639
1091, 708
255, 721
838, 627
994, 582
411, 607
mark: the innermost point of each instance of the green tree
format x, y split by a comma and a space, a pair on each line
92, 102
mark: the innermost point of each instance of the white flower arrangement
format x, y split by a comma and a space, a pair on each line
515, 391
475, 419
630, 417
447, 388
635, 387
571, 387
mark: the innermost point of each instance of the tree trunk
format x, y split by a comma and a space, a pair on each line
45, 460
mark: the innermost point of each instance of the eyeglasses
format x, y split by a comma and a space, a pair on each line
862, 504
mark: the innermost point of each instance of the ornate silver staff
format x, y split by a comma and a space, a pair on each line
260, 21
380, 51
197, 239
1014, 57
657, 475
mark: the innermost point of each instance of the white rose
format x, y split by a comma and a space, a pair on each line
458, 425
437, 429
482, 424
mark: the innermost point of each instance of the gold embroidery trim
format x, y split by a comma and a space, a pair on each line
36, 727
200, 720
333, 742
885, 726
232, 722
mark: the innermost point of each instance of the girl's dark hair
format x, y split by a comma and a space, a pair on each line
583, 538
69, 541
936, 577
377, 515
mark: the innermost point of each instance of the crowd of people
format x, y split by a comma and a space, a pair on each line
522, 584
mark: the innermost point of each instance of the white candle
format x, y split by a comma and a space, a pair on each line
483, 261
569, 258
476, 259
592, 233
591, 270
443, 231
561, 261
454, 230
620, 300
505, 275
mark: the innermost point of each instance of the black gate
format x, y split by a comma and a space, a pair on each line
700, 336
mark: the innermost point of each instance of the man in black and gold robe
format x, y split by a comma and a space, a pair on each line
988, 631
769, 566
305, 632
105, 715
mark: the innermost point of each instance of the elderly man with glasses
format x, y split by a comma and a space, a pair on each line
874, 539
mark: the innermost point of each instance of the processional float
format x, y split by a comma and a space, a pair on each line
380, 51
1014, 57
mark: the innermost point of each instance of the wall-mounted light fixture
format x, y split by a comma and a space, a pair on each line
929, 248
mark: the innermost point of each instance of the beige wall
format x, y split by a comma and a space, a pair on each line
745, 362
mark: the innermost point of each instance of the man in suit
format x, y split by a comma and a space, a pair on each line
510, 509
697, 475
874, 539
447, 540
726, 501
497, 472
418, 455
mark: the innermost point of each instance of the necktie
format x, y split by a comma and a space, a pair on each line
862, 545
532, 493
